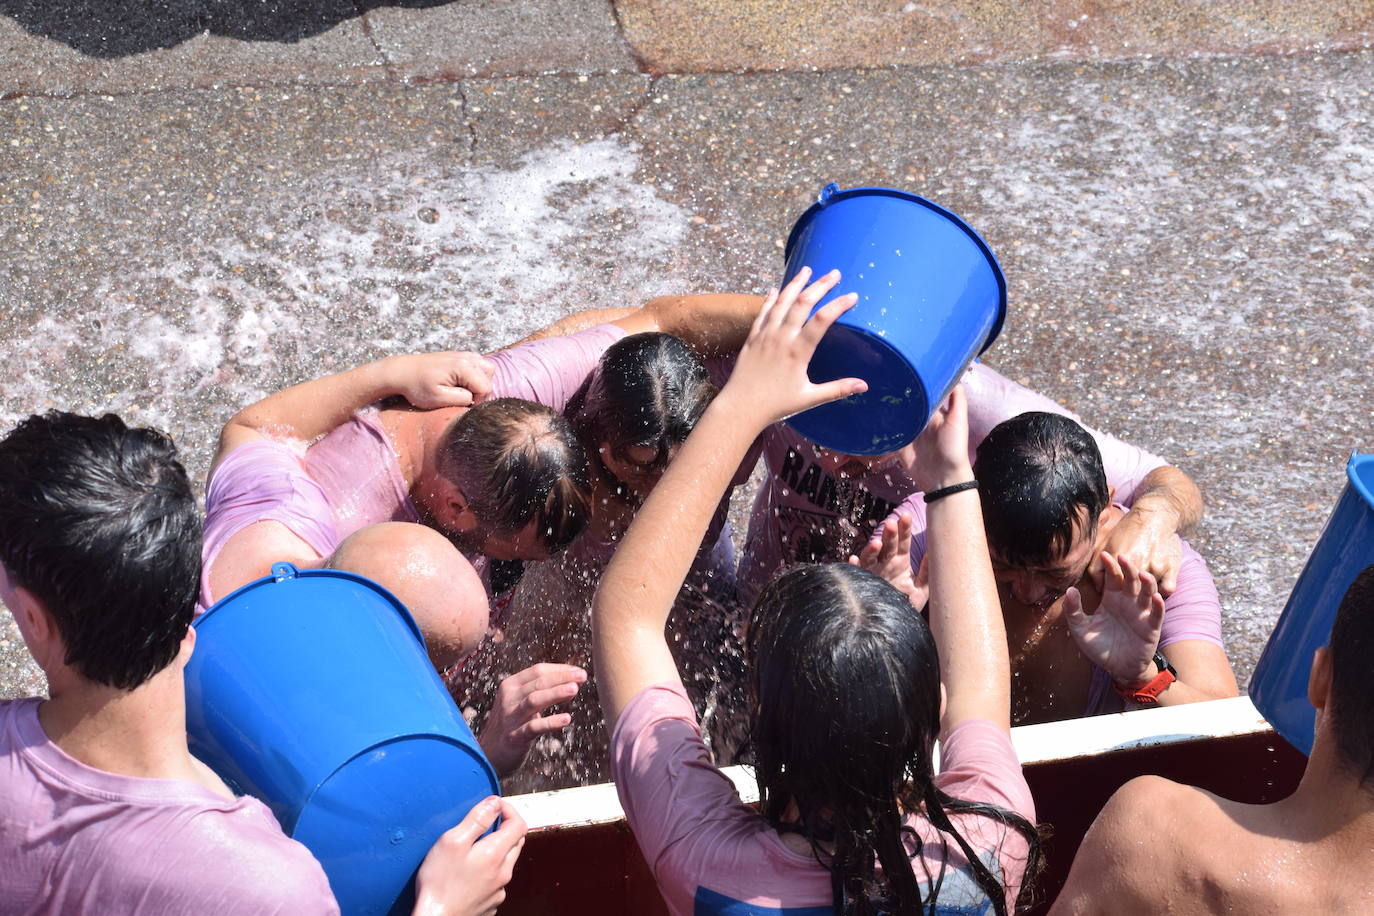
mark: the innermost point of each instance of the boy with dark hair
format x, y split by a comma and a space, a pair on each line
102, 807
1160, 845
1083, 644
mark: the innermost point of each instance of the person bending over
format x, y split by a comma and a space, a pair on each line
847, 688
505, 478
1084, 644
102, 807
1309, 853
631, 416
816, 505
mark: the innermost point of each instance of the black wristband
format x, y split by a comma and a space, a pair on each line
952, 488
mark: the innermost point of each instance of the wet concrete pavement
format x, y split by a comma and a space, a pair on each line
190, 219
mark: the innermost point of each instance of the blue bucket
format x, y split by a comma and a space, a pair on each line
931, 298
313, 691
1346, 547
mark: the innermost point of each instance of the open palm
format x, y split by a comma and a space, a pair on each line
1122, 635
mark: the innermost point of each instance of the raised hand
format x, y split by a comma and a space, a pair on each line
517, 718
465, 872
1121, 637
888, 554
1149, 542
939, 456
769, 381
432, 380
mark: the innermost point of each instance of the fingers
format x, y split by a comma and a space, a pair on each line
1112, 577
536, 701
477, 822
834, 391
543, 675
539, 725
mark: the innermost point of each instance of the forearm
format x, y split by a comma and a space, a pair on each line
577, 321
965, 612
713, 324
311, 409
1169, 498
631, 606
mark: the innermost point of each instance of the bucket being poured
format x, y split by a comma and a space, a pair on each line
931, 298
312, 691
1279, 684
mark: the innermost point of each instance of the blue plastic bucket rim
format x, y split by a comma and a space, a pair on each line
400, 736
1357, 460
283, 571
831, 193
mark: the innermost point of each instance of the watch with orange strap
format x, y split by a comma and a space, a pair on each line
1147, 693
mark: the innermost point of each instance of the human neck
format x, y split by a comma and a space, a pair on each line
415, 435
139, 732
1330, 800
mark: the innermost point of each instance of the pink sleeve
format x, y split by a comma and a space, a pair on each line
978, 763
993, 398
1193, 611
263, 481
550, 371
663, 772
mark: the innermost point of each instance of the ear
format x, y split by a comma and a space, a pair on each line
188, 644
454, 513
1111, 498
36, 624
1319, 680
943, 700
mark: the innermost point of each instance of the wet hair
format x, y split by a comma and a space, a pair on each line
99, 522
1041, 480
846, 710
517, 462
1352, 678
649, 390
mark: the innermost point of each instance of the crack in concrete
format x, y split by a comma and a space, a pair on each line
467, 119
641, 63
388, 65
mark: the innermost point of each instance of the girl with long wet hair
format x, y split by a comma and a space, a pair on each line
847, 686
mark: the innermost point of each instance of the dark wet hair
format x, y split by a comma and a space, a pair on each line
1040, 477
846, 710
99, 522
517, 462
1352, 677
649, 390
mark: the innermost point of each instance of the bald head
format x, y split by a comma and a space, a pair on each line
429, 576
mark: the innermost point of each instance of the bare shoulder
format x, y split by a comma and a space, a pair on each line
1151, 841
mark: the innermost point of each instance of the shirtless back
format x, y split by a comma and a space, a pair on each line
1162, 847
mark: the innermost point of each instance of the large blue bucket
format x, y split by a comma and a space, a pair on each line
313, 691
931, 298
1346, 547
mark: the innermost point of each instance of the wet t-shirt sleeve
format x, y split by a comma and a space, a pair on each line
550, 371
1193, 611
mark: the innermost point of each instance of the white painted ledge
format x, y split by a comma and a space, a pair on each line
1046, 743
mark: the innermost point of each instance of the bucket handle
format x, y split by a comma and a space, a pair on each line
827, 192
283, 571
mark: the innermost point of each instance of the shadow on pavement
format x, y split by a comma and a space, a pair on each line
100, 28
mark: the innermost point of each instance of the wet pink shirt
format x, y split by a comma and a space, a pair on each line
351, 478
802, 514
77, 840
707, 848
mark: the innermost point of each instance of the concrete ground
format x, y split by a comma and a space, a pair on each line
202, 202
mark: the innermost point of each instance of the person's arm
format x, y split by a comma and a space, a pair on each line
467, 869
965, 613
713, 324
631, 605
1166, 504
312, 409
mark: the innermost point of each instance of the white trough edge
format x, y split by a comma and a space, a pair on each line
1052, 741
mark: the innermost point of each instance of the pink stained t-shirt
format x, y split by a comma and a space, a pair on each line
76, 840
352, 478
708, 850
803, 514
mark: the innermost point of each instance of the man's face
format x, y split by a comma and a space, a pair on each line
1040, 587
